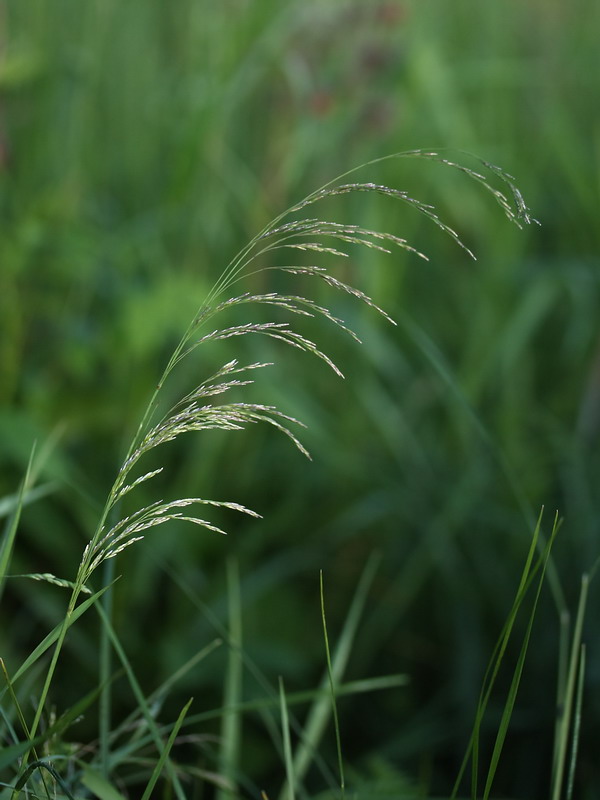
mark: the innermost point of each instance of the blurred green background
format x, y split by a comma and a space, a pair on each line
141, 145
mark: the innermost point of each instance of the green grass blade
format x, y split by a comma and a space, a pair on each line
165, 752
140, 699
11, 754
514, 686
52, 637
435, 357
231, 721
41, 765
99, 786
9, 504
561, 683
576, 724
104, 716
21, 718
10, 530
157, 696
564, 730
320, 711
489, 680
336, 724
287, 745
386, 682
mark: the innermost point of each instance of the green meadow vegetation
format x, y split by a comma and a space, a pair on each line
406, 613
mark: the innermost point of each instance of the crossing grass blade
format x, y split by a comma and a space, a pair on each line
321, 710
514, 686
332, 688
530, 570
570, 699
53, 636
41, 766
141, 702
165, 751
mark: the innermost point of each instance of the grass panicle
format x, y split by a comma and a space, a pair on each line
195, 412
199, 410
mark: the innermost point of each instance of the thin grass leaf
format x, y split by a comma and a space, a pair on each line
16, 704
165, 752
336, 724
42, 765
99, 786
105, 706
10, 530
472, 751
564, 732
436, 359
576, 724
53, 636
229, 750
141, 701
73, 714
287, 745
142, 739
562, 679
26, 731
10, 503
320, 712
10, 756
514, 686
61, 631
135, 723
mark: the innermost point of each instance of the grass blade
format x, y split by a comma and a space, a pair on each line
166, 750
52, 637
12, 524
514, 686
565, 722
140, 699
231, 722
99, 786
9, 504
576, 724
489, 680
336, 723
320, 711
41, 765
287, 745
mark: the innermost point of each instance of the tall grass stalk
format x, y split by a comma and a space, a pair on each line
202, 408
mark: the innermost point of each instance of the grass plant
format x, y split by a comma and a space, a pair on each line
139, 148
201, 409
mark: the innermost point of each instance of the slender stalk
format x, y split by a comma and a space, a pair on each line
565, 727
105, 671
